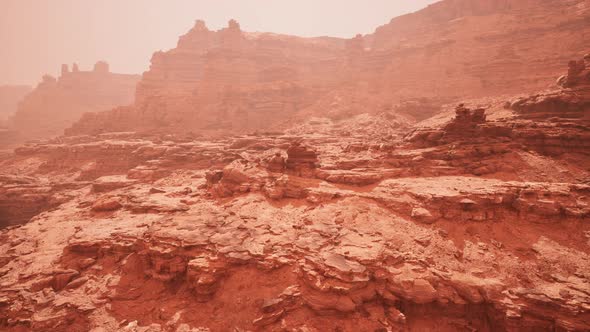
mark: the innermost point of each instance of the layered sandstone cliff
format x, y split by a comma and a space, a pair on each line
10, 96
56, 103
467, 48
234, 81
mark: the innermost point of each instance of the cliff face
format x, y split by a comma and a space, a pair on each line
233, 81
57, 103
479, 48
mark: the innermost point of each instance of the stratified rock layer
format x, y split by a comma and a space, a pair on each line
226, 80
479, 48
230, 81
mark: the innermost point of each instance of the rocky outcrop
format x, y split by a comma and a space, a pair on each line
578, 73
468, 123
572, 101
275, 249
552, 122
466, 120
56, 103
23, 197
301, 160
562, 117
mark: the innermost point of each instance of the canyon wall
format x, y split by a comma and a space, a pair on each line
465, 48
56, 103
234, 81
227, 80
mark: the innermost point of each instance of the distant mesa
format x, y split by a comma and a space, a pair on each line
56, 103
233, 25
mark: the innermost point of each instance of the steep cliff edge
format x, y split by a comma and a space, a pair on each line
226, 80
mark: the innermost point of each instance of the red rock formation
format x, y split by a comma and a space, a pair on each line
478, 48
466, 120
229, 80
554, 122
277, 163
57, 103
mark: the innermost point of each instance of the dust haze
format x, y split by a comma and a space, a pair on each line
38, 36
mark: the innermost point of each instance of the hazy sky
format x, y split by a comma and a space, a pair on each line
37, 36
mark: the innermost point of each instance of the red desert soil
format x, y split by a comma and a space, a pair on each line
471, 216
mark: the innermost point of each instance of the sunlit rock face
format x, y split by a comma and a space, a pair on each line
230, 80
56, 103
